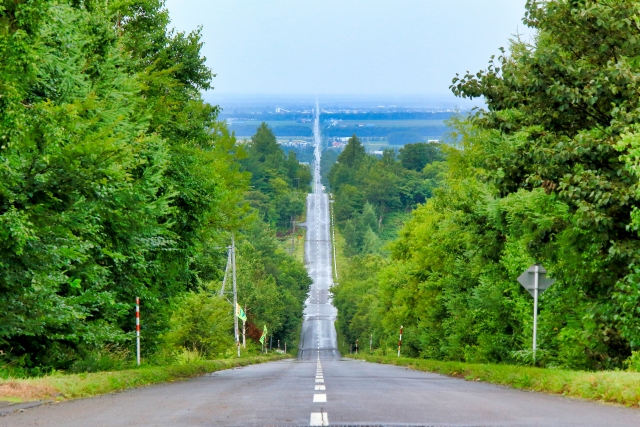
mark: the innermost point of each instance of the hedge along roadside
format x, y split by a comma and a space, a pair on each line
92, 384
605, 386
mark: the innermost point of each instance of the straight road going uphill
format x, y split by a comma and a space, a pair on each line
318, 331
319, 388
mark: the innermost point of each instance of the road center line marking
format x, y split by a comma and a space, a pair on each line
319, 380
319, 398
320, 387
319, 419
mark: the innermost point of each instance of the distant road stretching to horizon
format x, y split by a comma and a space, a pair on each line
320, 387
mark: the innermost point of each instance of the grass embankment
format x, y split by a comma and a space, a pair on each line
339, 243
605, 386
85, 385
298, 252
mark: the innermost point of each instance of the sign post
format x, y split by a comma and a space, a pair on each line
535, 281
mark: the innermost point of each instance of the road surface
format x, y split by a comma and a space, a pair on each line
318, 337
320, 388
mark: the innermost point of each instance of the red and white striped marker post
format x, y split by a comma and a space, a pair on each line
138, 331
400, 341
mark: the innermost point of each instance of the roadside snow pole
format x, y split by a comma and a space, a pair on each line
400, 341
138, 331
356, 346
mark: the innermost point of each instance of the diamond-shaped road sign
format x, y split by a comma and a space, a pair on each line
527, 279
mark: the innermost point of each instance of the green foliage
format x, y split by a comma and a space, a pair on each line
272, 284
280, 180
200, 322
548, 173
117, 181
371, 191
417, 156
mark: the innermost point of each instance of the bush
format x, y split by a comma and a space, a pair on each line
200, 323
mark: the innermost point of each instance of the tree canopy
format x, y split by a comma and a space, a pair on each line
116, 181
547, 173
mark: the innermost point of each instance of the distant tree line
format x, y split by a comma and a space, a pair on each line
399, 135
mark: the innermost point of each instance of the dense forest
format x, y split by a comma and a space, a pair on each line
373, 195
117, 181
546, 173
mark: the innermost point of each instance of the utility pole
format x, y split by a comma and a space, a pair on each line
226, 271
235, 293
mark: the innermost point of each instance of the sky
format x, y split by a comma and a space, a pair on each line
347, 47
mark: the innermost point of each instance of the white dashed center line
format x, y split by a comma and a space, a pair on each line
319, 419
319, 398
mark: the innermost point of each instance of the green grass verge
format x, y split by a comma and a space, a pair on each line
298, 252
91, 384
605, 386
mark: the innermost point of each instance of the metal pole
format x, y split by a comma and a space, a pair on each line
138, 331
244, 339
400, 341
285, 346
535, 310
371, 344
271, 342
235, 293
293, 235
226, 271
356, 346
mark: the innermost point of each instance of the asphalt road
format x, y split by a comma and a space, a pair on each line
318, 337
320, 388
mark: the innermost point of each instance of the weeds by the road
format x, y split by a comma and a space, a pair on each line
606, 386
62, 386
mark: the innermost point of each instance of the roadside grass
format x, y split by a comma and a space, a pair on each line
61, 386
292, 347
619, 387
339, 243
343, 346
298, 252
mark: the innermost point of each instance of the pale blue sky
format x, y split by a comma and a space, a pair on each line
348, 47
